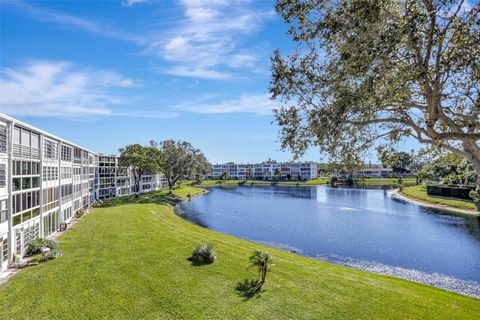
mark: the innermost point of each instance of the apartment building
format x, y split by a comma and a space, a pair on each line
45, 179
266, 170
116, 181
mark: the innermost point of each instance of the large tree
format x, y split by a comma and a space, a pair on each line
181, 159
367, 70
399, 161
141, 160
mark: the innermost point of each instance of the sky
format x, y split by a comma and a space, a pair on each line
110, 73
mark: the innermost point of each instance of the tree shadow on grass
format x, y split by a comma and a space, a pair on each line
248, 289
158, 197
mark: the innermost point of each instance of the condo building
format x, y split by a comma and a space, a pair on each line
266, 170
45, 179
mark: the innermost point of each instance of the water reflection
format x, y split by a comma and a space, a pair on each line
356, 224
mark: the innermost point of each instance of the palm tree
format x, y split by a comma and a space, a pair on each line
263, 261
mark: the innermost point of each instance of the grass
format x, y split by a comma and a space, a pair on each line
420, 193
128, 259
385, 181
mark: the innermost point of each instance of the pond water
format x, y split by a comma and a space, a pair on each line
359, 228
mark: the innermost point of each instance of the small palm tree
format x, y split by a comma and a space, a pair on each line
263, 261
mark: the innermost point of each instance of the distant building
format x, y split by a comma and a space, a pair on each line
372, 171
266, 170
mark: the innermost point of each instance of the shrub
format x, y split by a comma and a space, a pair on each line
203, 254
333, 181
79, 213
36, 245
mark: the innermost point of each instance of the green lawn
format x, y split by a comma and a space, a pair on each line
420, 193
385, 181
128, 259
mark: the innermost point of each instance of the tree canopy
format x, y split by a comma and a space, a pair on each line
142, 160
181, 159
399, 161
366, 71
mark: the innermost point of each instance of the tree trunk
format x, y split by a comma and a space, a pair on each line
472, 153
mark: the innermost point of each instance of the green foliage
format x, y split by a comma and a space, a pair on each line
224, 176
142, 160
181, 159
36, 245
263, 262
378, 71
449, 169
399, 161
79, 213
203, 254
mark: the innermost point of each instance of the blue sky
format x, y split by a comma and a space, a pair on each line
109, 73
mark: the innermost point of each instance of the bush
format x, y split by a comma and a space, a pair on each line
36, 245
203, 254
449, 191
79, 213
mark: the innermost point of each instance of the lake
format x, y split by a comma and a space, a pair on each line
360, 228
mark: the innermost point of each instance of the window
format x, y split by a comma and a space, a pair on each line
16, 185
3, 175
5, 249
66, 153
3, 211
50, 149
16, 135
24, 201
3, 139
26, 183
25, 136
35, 141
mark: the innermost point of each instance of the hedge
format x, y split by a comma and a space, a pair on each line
449, 191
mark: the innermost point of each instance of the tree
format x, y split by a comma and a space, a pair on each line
450, 169
263, 261
224, 175
249, 172
142, 160
181, 159
277, 173
367, 71
399, 161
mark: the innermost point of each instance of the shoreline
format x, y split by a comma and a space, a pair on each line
442, 207
434, 280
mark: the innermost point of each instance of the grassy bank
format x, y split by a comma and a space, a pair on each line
393, 182
420, 193
128, 259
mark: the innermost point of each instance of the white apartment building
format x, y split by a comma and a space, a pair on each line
266, 170
116, 181
45, 179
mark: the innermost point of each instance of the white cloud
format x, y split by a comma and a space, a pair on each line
102, 29
242, 60
206, 43
46, 88
129, 3
259, 104
187, 71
